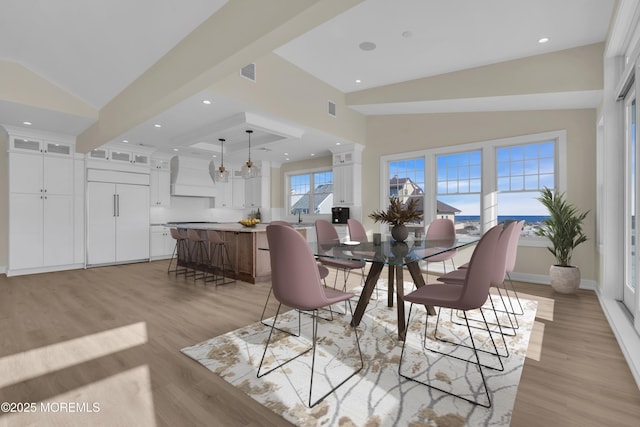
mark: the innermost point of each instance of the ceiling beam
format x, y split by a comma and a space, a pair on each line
240, 32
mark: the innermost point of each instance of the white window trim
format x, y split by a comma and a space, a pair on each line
489, 195
287, 191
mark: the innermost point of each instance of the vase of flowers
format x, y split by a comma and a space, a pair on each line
397, 215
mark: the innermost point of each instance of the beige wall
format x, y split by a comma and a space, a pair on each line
238, 34
286, 91
397, 134
22, 86
4, 197
577, 69
277, 176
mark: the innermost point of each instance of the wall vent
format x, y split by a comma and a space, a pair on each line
331, 108
249, 72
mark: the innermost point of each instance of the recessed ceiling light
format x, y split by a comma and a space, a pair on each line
206, 102
125, 141
157, 125
287, 158
358, 81
286, 154
27, 123
313, 154
543, 40
175, 149
338, 143
367, 46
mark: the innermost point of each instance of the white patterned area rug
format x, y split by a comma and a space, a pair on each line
377, 395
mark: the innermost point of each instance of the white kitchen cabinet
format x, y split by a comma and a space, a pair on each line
162, 244
253, 193
41, 205
117, 222
343, 158
160, 188
119, 157
224, 194
238, 189
41, 231
34, 145
142, 159
346, 185
347, 175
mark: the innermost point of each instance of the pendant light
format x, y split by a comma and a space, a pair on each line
222, 175
249, 170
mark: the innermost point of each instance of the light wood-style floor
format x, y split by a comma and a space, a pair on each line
111, 336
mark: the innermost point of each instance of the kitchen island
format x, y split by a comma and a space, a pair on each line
247, 262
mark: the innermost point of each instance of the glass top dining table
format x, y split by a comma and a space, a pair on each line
395, 255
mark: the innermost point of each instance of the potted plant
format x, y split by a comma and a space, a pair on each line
397, 215
564, 230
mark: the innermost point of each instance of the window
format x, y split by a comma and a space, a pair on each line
522, 171
406, 180
459, 187
311, 193
482, 183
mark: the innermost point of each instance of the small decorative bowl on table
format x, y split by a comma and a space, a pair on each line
249, 222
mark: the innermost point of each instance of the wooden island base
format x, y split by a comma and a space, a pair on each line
248, 263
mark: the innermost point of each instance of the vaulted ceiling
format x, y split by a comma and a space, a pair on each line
102, 55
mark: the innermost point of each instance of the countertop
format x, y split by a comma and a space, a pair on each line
228, 226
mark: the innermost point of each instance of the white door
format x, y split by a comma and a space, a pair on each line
58, 224
26, 173
101, 223
253, 192
58, 175
631, 201
132, 219
342, 185
25, 217
238, 189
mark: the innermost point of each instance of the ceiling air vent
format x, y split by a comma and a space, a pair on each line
332, 108
249, 72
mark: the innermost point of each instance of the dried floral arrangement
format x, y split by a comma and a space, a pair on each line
398, 213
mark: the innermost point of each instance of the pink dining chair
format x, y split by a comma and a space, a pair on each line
458, 277
327, 234
442, 229
359, 234
356, 231
322, 270
512, 253
470, 295
296, 284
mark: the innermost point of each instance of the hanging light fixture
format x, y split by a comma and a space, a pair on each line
222, 175
249, 170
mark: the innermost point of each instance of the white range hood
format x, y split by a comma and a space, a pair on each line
192, 177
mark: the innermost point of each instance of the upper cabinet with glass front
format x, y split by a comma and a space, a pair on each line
34, 145
120, 157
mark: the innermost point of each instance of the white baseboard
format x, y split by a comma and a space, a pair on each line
22, 272
543, 279
627, 337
